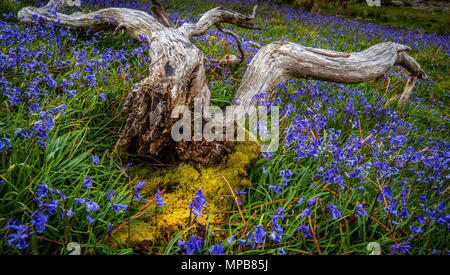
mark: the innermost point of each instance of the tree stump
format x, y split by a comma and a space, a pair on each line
177, 76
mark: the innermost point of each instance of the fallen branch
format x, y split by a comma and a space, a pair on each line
178, 76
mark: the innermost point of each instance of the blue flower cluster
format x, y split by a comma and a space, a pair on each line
197, 203
192, 245
46, 206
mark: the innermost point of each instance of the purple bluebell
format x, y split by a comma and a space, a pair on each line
216, 249
259, 234
87, 182
334, 212
95, 159
19, 237
158, 199
197, 203
360, 211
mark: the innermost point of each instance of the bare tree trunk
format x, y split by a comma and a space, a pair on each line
178, 75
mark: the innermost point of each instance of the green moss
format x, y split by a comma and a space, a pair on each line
137, 234
180, 183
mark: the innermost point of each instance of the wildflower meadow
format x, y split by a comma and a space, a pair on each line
351, 173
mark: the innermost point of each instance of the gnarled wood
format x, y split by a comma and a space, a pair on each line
281, 61
177, 74
160, 13
216, 16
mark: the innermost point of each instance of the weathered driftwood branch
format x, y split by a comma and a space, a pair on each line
216, 16
281, 61
177, 74
136, 23
160, 13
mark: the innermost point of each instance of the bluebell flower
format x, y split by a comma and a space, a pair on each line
193, 244
87, 181
403, 213
197, 203
181, 244
51, 207
276, 189
420, 219
42, 191
137, 187
281, 251
285, 174
60, 194
216, 249
70, 212
38, 220
158, 199
91, 206
78, 200
386, 191
137, 51
89, 219
241, 241
231, 239
415, 230
20, 237
274, 236
250, 242
279, 214
402, 248
95, 159
4, 142
423, 198
109, 228
117, 207
110, 195
259, 234
71, 93
305, 212
334, 212
360, 189
242, 192
441, 206
360, 210
311, 201
305, 231
102, 96
277, 228
22, 133
137, 196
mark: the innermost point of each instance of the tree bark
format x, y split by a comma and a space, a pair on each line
178, 75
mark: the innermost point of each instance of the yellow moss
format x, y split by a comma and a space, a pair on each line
181, 183
138, 233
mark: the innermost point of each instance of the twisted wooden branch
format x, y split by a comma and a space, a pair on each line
216, 16
177, 75
281, 61
136, 23
160, 13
